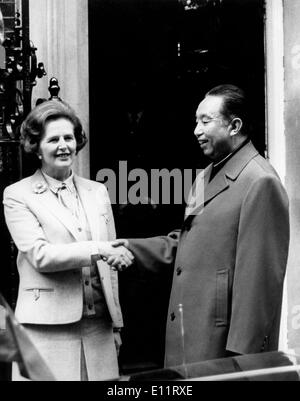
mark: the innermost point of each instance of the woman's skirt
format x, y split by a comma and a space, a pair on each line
76, 352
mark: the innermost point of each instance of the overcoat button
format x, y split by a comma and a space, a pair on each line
178, 271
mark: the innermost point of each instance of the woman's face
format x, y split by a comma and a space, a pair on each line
57, 148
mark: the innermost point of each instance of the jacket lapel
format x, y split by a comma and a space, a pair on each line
206, 191
239, 161
196, 195
90, 205
215, 187
50, 202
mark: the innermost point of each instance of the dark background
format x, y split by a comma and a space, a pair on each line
156, 57
151, 62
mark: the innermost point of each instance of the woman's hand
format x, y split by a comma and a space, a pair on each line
118, 341
116, 254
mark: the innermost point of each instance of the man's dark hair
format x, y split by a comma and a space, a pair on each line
234, 103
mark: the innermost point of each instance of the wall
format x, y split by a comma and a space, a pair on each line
292, 140
59, 30
283, 110
276, 140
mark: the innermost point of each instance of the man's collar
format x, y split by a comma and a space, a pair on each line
243, 143
223, 160
239, 160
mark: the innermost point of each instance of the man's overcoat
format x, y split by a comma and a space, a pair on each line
230, 261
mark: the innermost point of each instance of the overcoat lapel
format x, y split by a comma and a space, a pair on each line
196, 195
206, 191
215, 187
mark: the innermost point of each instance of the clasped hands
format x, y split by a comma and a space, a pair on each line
116, 254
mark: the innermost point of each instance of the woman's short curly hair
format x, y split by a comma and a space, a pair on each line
33, 127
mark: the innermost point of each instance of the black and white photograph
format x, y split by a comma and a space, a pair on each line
149, 172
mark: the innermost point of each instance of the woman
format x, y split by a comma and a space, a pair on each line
58, 221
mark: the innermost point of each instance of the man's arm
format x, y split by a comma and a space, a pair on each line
153, 253
47, 257
261, 257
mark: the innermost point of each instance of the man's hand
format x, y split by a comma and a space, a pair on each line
116, 254
120, 242
117, 263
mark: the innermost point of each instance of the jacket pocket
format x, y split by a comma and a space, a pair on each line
222, 281
37, 291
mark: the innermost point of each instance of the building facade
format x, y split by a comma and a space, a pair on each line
60, 31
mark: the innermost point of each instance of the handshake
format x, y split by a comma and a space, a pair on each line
116, 254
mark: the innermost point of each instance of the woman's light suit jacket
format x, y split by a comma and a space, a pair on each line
52, 253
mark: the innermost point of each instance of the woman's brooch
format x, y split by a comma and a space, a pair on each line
39, 187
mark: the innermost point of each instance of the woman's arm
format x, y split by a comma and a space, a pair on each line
31, 240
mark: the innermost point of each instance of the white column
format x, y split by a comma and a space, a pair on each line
275, 114
275, 86
59, 30
291, 25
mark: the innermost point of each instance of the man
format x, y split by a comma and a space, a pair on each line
230, 255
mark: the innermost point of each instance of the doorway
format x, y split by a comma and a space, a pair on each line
163, 55
151, 62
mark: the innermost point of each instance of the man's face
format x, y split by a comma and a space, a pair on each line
212, 130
